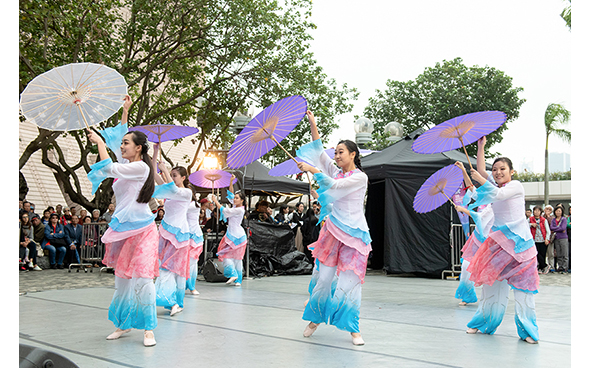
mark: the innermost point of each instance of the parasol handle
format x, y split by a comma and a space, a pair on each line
290, 156
466, 152
77, 102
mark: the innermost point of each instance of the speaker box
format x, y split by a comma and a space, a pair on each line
213, 271
32, 357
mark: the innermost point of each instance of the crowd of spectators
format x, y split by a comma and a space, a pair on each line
57, 233
551, 229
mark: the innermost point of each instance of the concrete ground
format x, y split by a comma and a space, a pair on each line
405, 322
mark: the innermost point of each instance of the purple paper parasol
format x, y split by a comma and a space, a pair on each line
266, 130
158, 133
211, 178
287, 167
438, 188
459, 132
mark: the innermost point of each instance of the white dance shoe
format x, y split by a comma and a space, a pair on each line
149, 339
231, 280
310, 330
117, 334
175, 309
357, 340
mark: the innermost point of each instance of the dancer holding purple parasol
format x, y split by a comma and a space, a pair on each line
175, 244
507, 258
233, 244
344, 242
465, 291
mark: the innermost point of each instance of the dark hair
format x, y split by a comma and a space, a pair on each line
538, 208
140, 139
183, 172
187, 184
25, 214
505, 160
352, 147
282, 208
241, 195
559, 208
262, 202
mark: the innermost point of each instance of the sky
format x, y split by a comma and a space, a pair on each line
366, 43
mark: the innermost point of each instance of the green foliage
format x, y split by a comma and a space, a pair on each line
566, 14
555, 116
447, 90
200, 60
526, 177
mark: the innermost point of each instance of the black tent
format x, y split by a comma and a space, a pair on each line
254, 179
403, 240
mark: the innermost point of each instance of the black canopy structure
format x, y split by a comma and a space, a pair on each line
254, 179
403, 240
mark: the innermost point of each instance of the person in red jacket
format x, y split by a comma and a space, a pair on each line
540, 231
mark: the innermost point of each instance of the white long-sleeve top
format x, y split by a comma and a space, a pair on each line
345, 191
130, 178
176, 205
508, 205
193, 221
235, 232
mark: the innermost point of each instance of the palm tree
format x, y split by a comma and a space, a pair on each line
555, 116
566, 15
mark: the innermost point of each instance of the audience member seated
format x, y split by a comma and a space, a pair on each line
74, 238
55, 241
38, 233
260, 213
45, 218
28, 247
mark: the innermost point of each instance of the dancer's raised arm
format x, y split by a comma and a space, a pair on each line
313, 127
480, 163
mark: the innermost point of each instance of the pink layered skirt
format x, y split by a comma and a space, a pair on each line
496, 260
133, 253
227, 249
176, 256
470, 248
334, 247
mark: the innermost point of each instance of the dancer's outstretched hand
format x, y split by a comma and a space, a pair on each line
93, 137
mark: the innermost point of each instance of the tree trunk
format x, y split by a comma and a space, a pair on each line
546, 183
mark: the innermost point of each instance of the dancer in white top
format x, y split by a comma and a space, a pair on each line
197, 248
507, 258
233, 244
175, 243
465, 291
131, 241
344, 242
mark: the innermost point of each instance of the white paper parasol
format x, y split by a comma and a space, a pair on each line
74, 96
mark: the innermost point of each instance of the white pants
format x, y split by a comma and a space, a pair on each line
334, 301
493, 304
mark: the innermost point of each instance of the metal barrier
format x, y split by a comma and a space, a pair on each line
92, 249
210, 243
457, 239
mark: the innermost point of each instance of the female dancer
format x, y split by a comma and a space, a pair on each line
233, 244
465, 291
175, 242
344, 242
507, 258
131, 241
196, 244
